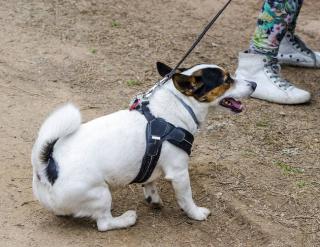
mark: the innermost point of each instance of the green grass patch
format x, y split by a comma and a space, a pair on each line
115, 24
262, 124
287, 169
301, 184
131, 83
93, 50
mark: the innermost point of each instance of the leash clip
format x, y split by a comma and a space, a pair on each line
137, 101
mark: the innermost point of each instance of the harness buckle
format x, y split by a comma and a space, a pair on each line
158, 138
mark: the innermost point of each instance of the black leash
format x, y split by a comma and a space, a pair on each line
205, 30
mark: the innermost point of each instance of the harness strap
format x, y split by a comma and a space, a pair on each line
188, 108
181, 138
159, 130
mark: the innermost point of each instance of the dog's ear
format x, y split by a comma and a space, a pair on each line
186, 84
163, 69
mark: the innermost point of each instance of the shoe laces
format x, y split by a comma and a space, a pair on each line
273, 70
296, 41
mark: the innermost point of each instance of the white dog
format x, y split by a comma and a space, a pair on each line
74, 164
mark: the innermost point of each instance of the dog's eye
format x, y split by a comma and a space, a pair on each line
203, 98
229, 79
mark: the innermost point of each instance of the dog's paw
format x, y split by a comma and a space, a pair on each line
130, 217
199, 213
155, 203
127, 219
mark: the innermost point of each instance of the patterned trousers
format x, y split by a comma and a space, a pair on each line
276, 18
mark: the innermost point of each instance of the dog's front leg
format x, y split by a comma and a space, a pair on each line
181, 185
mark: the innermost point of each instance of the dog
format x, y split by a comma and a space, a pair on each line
75, 164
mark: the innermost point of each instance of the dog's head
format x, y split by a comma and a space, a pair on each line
210, 84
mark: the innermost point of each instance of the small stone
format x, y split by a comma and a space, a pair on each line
219, 194
210, 127
282, 113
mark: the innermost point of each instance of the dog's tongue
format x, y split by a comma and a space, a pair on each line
232, 104
236, 105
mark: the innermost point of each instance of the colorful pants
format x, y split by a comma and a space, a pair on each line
276, 18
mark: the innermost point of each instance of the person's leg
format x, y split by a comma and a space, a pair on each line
293, 21
273, 22
260, 64
292, 50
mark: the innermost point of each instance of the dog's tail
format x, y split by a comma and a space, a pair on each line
62, 122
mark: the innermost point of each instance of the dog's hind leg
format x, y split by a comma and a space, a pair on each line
105, 221
151, 195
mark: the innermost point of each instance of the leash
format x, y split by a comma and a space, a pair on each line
205, 30
144, 96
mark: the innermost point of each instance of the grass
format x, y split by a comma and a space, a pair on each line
131, 83
301, 184
93, 50
287, 169
115, 24
262, 124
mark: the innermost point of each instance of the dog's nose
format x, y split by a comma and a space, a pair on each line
252, 84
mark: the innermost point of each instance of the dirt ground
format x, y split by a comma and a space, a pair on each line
258, 171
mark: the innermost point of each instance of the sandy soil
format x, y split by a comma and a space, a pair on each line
258, 171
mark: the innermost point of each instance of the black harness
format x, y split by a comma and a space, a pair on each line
159, 130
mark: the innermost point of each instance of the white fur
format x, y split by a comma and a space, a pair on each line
108, 151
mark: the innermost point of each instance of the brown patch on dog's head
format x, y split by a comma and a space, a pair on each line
216, 92
205, 85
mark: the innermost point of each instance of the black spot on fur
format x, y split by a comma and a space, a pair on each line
46, 151
52, 171
149, 199
46, 157
211, 78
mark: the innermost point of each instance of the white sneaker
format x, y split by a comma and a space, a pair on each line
293, 51
270, 86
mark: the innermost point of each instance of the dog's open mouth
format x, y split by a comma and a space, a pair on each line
232, 104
